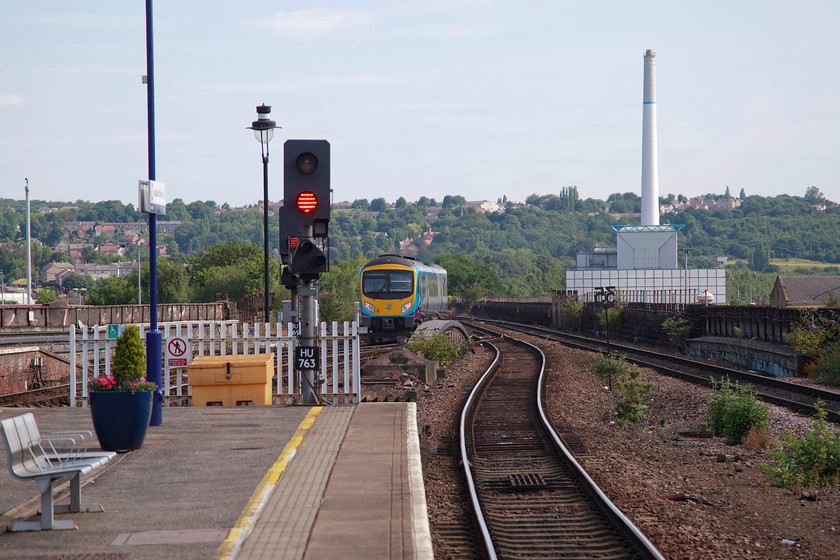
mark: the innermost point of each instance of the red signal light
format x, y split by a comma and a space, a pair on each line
293, 242
307, 202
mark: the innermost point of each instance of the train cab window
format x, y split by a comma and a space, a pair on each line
387, 284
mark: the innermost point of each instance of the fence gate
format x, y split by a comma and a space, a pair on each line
91, 353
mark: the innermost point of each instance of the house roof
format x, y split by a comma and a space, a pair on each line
809, 290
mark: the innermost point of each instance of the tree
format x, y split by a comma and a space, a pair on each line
76, 281
378, 205
464, 272
171, 282
813, 196
361, 204
450, 201
111, 291
46, 295
743, 194
229, 282
760, 258
401, 202
342, 283
89, 254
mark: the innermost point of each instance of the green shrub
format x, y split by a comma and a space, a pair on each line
611, 318
813, 334
570, 314
810, 460
733, 410
677, 329
435, 347
631, 407
46, 295
827, 367
129, 357
609, 367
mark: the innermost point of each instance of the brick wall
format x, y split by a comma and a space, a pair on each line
27, 368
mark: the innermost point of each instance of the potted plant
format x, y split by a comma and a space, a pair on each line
121, 403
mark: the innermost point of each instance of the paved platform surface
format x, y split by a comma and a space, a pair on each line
241, 482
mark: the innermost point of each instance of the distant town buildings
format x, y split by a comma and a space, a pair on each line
56, 272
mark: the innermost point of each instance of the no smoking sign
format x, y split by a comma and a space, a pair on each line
176, 352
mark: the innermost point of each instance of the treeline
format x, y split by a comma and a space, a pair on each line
523, 250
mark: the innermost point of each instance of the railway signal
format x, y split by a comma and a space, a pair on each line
309, 259
306, 195
306, 217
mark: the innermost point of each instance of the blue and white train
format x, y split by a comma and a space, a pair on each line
398, 293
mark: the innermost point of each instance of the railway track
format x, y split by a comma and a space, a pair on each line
532, 498
794, 396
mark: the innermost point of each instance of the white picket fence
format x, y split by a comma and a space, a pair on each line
339, 349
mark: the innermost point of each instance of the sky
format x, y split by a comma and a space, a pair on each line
480, 98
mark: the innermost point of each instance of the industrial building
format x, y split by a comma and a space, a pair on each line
644, 265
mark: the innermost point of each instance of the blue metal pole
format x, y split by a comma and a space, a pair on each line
154, 366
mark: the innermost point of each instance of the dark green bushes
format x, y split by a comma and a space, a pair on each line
734, 410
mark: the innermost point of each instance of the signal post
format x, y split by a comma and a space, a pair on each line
305, 218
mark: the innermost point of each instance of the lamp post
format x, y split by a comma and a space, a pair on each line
263, 129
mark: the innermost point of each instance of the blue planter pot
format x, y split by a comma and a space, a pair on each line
120, 419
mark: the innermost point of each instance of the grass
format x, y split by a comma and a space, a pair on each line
799, 263
784, 264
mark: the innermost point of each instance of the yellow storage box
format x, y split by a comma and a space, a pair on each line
231, 380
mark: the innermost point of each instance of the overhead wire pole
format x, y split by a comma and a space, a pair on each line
154, 364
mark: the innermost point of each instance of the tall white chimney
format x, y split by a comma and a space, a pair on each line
650, 161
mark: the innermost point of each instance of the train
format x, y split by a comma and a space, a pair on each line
397, 294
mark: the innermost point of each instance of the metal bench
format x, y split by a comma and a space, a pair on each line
36, 457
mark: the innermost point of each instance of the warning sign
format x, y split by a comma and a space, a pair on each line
176, 352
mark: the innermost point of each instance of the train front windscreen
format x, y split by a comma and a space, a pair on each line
387, 284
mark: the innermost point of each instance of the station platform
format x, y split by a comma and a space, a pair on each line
286, 482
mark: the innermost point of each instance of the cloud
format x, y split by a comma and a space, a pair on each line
414, 7
317, 21
11, 99
86, 21
449, 31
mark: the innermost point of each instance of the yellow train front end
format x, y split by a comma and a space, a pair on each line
388, 299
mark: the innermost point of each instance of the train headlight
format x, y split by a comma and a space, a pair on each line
406, 306
368, 306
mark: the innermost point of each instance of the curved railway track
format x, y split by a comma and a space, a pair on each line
532, 498
794, 396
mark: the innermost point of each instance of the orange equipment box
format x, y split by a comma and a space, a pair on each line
231, 380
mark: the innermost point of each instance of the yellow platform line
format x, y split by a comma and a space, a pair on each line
230, 547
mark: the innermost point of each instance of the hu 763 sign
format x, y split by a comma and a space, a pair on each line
306, 357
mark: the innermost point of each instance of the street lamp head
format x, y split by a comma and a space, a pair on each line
263, 127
